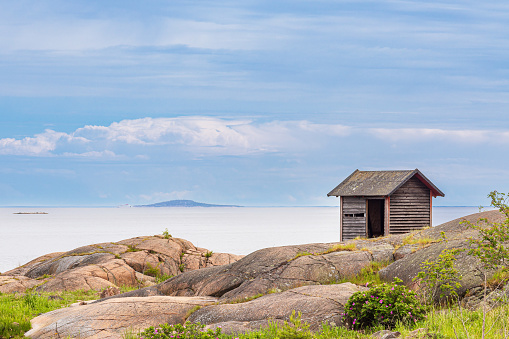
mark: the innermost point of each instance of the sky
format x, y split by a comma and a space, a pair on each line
253, 103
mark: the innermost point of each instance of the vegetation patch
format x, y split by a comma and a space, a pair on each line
44, 277
439, 278
411, 239
166, 234
16, 310
151, 271
301, 254
162, 278
192, 310
335, 248
132, 248
386, 304
341, 247
246, 299
499, 278
368, 275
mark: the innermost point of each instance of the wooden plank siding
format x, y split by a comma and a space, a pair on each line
353, 225
410, 207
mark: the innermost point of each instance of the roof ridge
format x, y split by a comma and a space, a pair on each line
379, 183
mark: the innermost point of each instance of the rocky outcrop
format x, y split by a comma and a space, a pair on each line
288, 278
277, 268
112, 317
457, 233
317, 304
132, 262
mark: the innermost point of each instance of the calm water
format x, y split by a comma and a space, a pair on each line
234, 230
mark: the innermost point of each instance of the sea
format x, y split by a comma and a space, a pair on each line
238, 230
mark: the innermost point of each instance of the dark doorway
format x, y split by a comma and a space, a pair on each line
376, 218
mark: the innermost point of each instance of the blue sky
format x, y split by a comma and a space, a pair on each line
257, 103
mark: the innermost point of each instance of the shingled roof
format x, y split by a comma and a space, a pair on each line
379, 183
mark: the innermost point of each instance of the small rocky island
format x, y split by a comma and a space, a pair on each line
30, 213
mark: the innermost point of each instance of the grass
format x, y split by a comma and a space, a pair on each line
461, 323
445, 323
152, 271
16, 310
162, 277
192, 310
341, 247
368, 275
132, 248
499, 278
335, 248
422, 241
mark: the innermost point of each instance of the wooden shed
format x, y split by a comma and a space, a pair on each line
378, 203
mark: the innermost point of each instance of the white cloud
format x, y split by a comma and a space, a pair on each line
205, 136
93, 154
457, 136
40, 144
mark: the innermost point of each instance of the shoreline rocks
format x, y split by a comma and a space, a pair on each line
287, 278
112, 317
132, 262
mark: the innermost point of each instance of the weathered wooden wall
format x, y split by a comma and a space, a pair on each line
353, 226
410, 207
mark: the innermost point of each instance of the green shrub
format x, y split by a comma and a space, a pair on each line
166, 234
208, 254
384, 305
188, 330
367, 276
163, 277
499, 278
132, 248
152, 271
439, 278
295, 329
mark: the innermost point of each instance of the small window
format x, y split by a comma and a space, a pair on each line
353, 215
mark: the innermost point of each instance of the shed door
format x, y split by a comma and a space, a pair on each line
376, 217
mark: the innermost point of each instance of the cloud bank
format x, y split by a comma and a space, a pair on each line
205, 136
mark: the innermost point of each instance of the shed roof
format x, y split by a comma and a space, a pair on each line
379, 183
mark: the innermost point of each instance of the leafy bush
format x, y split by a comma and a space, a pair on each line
295, 329
186, 331
383, 305
166, 234
152, 271
439, 278
163, 277
491, 247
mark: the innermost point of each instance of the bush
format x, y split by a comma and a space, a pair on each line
439, 278
295, 329
188, 330
383, 305
166, 234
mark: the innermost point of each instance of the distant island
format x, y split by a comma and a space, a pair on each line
183, 203
30, 213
